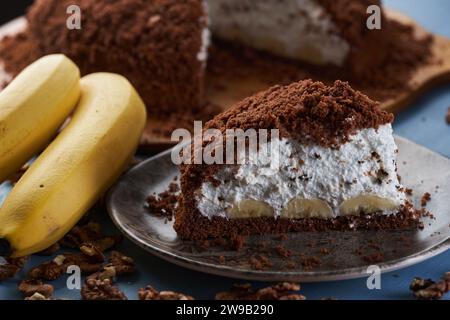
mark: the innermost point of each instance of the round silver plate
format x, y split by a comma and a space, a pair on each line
320, 256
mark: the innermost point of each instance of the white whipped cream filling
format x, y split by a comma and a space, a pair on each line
310, 172
296, 29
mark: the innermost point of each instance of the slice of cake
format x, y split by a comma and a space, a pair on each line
320, 32
336, 168
159, 45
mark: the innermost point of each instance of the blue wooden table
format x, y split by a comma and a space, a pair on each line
424, 123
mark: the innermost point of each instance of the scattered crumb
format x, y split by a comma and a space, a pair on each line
259, 262
290, 264
405, 241
374, 257
164, 204
283, 252
425, 199
309, 263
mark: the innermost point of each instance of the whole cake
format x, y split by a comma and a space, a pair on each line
159, 45
336, 168
320, 32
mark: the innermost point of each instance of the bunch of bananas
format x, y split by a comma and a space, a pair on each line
79, 165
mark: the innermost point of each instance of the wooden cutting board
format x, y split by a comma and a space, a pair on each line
225, 89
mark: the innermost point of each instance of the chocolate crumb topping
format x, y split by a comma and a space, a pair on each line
307, 111
152, 43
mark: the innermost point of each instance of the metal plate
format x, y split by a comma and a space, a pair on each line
421, 169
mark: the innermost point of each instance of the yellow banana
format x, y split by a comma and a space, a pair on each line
76, 168
33, 107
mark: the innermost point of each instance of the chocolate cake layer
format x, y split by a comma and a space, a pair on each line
159, 45
191, 225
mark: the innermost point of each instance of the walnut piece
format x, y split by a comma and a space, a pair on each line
11, 267
52, 270
90, 234
29, 287
430, 290
92, 251
149, 293
96, 289
281, 291
118, 265
37, 296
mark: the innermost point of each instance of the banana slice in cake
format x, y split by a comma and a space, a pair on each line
366, 204
250, 208
299, 208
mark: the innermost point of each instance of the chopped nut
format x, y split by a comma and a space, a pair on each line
281, 291
90, 240
11, 267
121, 263
53, 270
81, 234
93, 252
118, 265
419, 284
19, 262
96, 289
106, 242
149, 293
30, 287
37, 296
430, 290
59, 260
8, 271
